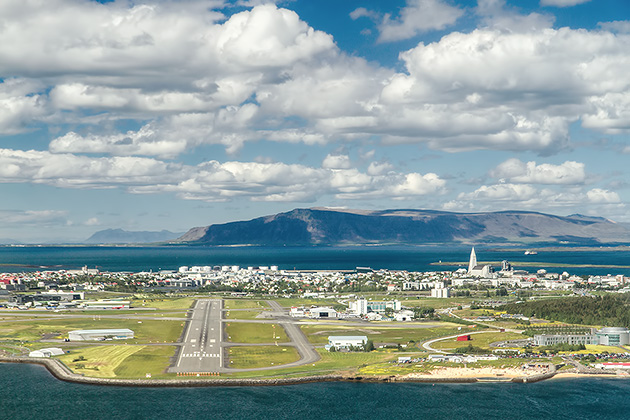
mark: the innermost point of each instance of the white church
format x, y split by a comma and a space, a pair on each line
476, 270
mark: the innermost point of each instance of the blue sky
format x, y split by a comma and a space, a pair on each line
150, 115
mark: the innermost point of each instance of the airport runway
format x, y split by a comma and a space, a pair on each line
201, 349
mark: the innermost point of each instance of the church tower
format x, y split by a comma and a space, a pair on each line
473, 260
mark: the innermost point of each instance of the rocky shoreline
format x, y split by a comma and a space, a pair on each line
61, 372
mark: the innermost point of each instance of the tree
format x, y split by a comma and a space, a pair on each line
369, 346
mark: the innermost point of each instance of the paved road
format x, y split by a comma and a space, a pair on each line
307, 352
201, 349
427, 344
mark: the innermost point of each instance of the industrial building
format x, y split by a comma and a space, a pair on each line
323, 313
51, 296
340, 342
100, 335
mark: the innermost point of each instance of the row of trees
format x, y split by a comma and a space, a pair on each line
611, 310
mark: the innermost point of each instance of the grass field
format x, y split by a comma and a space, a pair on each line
244, 304
151, 359
261, 356
330, 363
318, 334
255, 333
427, 302
478, 340
172, 304
241, 314
287, 302
100, 361
146, 331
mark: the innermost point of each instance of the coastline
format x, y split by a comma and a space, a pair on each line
442, 375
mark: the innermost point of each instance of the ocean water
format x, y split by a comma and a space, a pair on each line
30, 392
19, 259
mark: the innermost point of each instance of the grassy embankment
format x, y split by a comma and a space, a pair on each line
330, 363
381, 369
120, 361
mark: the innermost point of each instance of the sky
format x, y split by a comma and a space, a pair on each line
165, 114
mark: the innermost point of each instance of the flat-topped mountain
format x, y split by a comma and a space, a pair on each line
321, 226
120, 236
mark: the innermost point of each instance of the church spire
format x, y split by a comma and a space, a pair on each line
473, 260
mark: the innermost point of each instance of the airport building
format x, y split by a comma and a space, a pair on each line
100, 335
107, 304
49, 352
346, 341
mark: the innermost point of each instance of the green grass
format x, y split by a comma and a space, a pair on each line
261, 356
428, 302
244, 304
478, 340
330, 363
238, 332
241, 314
151, 359
378, 333
147, 331
288, 302
174, 304
100, 361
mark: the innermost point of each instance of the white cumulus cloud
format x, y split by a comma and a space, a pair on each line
517, 171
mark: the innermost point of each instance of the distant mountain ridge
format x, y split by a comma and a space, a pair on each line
322, 226
120, 236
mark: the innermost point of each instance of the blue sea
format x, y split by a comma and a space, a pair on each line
135, 259
30, 392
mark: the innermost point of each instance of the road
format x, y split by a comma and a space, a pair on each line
427, 344
201, 350
307, 352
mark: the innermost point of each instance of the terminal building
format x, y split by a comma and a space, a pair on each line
612, 336
100, 335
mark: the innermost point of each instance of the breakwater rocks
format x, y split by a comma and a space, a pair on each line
60, 371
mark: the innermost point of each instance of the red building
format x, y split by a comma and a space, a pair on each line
464, 337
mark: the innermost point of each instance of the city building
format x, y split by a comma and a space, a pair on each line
440, 292
363, 306
612, 336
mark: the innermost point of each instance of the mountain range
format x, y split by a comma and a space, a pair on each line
120, 236
324, 226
